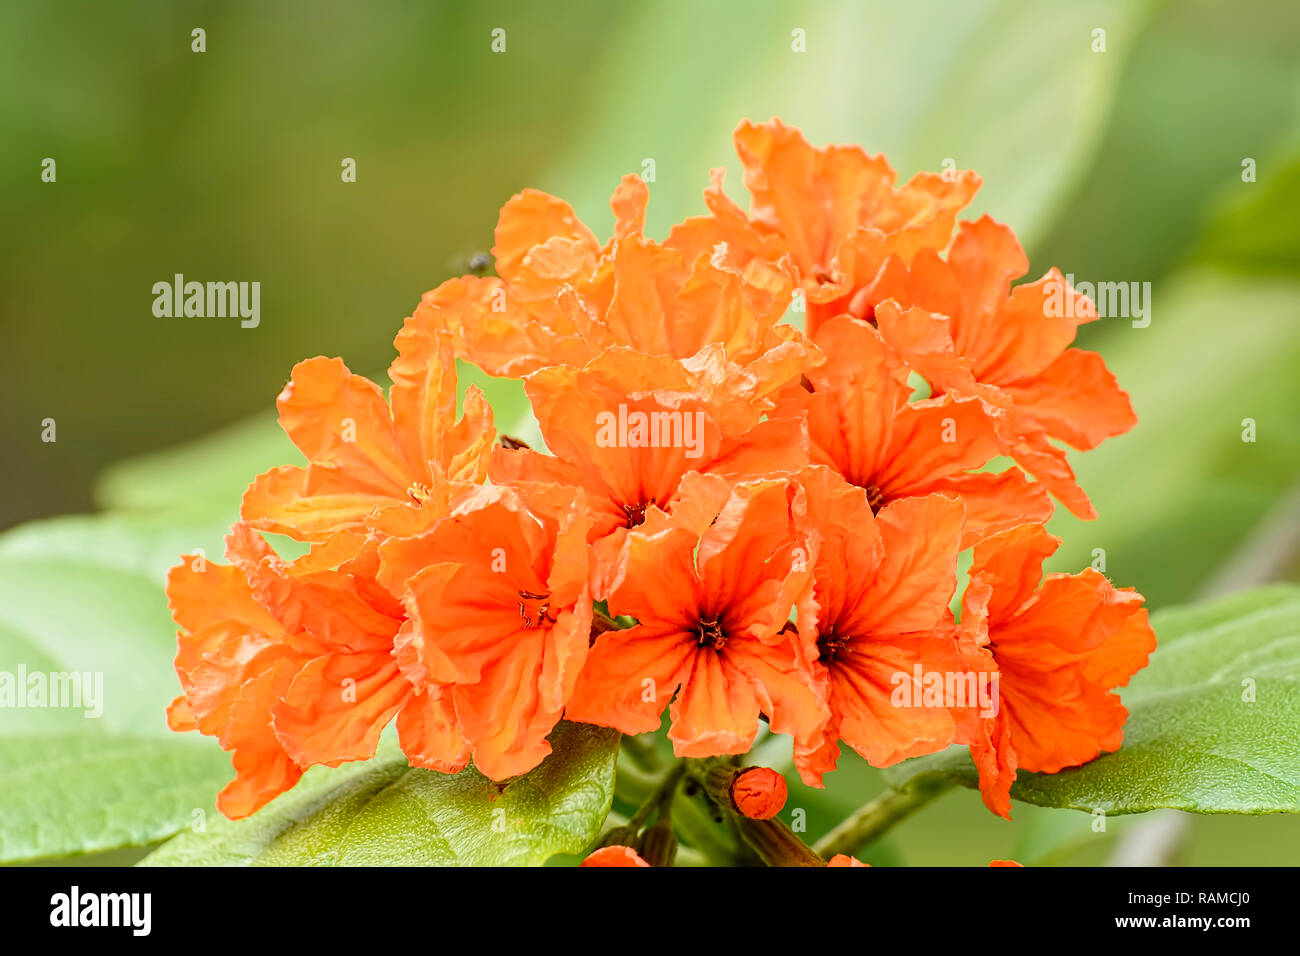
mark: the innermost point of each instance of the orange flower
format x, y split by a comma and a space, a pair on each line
369, 463
712, 587
615, 855
290, 665
234, 661
501, 613
626, 429
561, 299
1060, 647
861, 424
709, 470
1005, 863
1008, 346
836, 212
512, 323
881, 588
843, 859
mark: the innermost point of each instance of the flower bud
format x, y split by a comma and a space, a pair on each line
755, 792
659, 845
614, 856
758, 792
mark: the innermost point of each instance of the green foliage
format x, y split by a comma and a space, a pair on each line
877, 74
1179, 493
68, 794
85, 595
383, 812
1255, 232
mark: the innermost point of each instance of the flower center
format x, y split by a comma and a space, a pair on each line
875, 497
829, 647
419, 492
534, 609
709, 634
635, 514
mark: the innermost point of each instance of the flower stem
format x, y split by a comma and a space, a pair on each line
693, 820
641, 752
776, 844
660, 797
871, 820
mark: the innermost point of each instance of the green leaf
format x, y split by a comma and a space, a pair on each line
879, 75
142, 544
1157, 172
1179, 493
214, 469
1195, 739
64, 615
384, 813
69, 794
101, 770
85, 594
1252, 230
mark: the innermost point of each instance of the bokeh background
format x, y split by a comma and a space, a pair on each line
1122, 165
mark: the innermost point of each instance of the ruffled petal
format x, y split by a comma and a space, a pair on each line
338, 418
337, 707
630, 676
1075, 399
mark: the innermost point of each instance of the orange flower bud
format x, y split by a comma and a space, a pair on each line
614, 856
759, 792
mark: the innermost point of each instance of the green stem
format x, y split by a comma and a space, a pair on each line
776, 844
868, 822
641, 751
632, 785
660, 797
693, 820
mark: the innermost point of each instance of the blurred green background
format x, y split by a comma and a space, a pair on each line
1115, 165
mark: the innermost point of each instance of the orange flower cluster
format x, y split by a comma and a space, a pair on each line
768, 439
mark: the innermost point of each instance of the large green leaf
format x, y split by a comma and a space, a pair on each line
1179, 493
146, 545
62, 795
384, 812
100, 771
1213, 720
1254, 230
1156, 173
882, 75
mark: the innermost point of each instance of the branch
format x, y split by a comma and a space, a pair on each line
868, 822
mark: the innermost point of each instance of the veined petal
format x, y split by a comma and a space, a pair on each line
630, 676
337, 707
